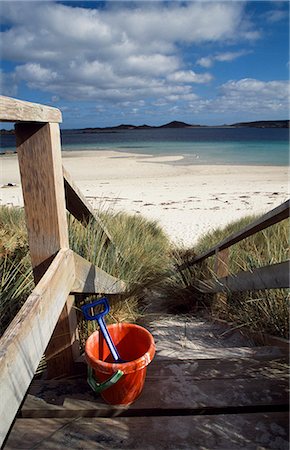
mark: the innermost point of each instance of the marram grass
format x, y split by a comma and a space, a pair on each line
139, 255
142, 256
266, 311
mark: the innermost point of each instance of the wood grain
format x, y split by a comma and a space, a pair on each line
272, 217
23, 343
13, 110
64, 346
90, 279
221, 271
218, 432
269, 277
39, 155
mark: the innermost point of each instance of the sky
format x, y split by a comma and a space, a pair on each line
107, 63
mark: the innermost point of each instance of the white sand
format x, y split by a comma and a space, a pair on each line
187, 200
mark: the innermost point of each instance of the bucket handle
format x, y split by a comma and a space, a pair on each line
100, 387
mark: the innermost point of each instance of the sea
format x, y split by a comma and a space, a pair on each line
205, 145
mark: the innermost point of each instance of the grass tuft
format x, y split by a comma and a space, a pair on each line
265, 311
139, 256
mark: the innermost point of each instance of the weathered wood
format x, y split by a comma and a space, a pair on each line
39, 155
78, 205
219, 432
221, 270
13, 110
269, 277
23, 343
75, 398
272, 217
64, 346
90, 279
82, 210
186, 386
225, 369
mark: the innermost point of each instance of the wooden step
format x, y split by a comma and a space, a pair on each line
190, 352
222, 432
185, 387
207, 403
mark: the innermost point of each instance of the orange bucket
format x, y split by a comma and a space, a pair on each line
134, 344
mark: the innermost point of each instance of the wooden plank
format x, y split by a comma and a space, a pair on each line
81, 209
184, 386
160, 396
269, 277
64, 346
259, 365
39, 155
23, 343
219, 432
78, 205
90, 279
214, 369
13, 110
221, 270
272, 217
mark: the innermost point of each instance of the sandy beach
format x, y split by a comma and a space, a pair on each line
187, 200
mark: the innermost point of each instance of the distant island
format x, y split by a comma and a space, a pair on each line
173, 124
263, 124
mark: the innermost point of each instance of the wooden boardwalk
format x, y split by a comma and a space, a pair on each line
211, 399
236, 401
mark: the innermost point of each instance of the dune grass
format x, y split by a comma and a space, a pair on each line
16, 280
143, 257
265, 311
139, 256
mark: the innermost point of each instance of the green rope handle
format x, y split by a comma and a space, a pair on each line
99, 387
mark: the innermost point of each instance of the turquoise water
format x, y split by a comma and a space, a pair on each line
248, 153
245, 146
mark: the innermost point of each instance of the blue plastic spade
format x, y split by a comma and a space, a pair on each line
86, 309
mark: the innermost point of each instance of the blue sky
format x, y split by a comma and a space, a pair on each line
106, 63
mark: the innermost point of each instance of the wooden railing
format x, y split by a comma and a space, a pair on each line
269, 277
47, 321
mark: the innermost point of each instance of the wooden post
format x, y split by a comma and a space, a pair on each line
63, 348
39, 155
221, 270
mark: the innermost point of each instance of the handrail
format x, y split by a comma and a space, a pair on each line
47, 317
13, 110
270, 218
80, 208
274, 276
26, 338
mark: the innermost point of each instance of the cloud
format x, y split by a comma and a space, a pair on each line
8, 84
279, 90
248, 95
122, 52
189, 76
205, 62
36, 74
209, 61
276, 15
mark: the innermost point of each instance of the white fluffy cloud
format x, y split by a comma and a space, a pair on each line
116, 53
189, 76
252, 97
208, 61
133, 55
251, 90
